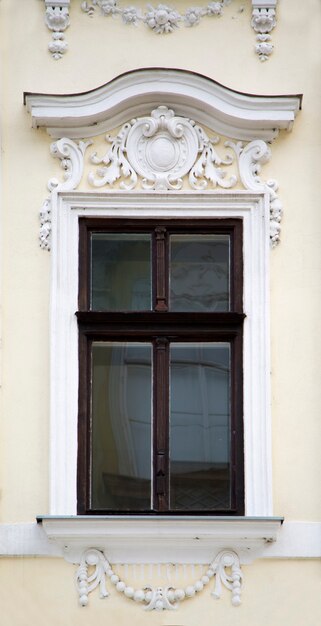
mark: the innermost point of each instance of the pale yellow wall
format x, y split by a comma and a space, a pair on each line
37, 591
41, 592
100, 49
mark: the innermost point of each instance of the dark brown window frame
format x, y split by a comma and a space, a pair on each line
158, 326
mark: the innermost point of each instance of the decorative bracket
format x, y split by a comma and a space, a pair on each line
71, 155
263, 21
57, 20
225, 568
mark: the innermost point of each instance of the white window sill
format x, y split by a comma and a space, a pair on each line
134, 539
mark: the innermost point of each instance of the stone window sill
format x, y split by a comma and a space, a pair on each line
151, 539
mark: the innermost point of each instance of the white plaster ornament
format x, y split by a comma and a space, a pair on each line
157, 152
225, 568
71, 155
162, 149
161, 19
57, 19
263, 21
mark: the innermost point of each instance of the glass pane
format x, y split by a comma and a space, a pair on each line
121, 426
199, 273
200, 426
121, 272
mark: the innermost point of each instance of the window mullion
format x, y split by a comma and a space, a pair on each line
161, 425
161, 269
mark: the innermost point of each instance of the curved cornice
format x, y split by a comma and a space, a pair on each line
227, 112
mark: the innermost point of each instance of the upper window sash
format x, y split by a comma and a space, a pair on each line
155, 253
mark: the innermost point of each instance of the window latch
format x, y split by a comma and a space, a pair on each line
160, 475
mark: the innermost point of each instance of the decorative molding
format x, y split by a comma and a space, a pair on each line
263, 21
225, 568
161, 149
235, 115
250, 159
295, 540
166, 149
57, 20
71, 155
45, 225
67, 207
161, 19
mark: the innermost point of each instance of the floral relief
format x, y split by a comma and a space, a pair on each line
57, 20
161, 19
263, 22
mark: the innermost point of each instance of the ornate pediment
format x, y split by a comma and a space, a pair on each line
176, 130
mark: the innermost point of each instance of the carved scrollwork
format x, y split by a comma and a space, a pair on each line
250, 159
204, 169
115, 163
86, 583
225, 568
161, 152
231, 579
71, 155
162, 149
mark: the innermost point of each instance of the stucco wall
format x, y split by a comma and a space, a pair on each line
99, 50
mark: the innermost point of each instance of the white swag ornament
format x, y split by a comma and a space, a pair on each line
160, 18
225, 568
157, 153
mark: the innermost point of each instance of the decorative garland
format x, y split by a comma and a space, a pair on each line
161, 19
159, 598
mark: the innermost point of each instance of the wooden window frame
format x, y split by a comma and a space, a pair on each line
156, 325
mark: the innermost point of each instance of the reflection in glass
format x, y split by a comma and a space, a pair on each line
199, 272
200, 426
121, 426
121, 272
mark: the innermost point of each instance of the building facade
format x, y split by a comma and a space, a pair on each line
160, 292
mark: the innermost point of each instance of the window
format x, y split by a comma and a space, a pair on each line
160, 354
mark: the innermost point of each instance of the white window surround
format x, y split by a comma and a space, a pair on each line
256, 119
253, 209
